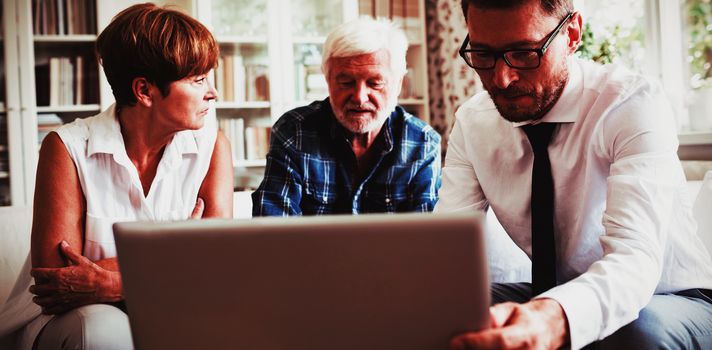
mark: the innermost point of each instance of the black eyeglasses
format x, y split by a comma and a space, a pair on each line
517, 58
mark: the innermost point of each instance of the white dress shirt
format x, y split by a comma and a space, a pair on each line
623, 227
113, 193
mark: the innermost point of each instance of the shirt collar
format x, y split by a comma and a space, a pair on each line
105, 137
568, 108
105, 133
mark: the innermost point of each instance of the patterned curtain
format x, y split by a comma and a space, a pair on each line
451, 81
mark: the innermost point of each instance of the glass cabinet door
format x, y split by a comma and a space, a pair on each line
243, 75
311, 21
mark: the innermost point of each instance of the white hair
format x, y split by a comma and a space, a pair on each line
367, 35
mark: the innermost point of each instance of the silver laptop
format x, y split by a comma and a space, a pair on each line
406, 281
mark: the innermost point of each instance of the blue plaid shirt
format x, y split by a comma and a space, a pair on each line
310, 166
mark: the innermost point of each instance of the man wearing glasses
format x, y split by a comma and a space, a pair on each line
579, 163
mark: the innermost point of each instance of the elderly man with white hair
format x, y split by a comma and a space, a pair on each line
356, 151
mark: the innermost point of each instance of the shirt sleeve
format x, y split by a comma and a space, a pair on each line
425, 184
280, 192
460, 189
639, 139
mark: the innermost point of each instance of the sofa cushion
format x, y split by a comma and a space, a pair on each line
14, 245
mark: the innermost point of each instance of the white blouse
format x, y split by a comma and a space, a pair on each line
114, 193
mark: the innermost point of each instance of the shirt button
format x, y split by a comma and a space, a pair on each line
324, 198
388, 200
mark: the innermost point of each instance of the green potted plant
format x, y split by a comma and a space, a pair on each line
699, 55
610, 46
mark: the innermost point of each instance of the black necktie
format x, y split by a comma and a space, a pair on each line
542, 209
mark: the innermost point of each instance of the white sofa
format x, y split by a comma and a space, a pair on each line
15, 223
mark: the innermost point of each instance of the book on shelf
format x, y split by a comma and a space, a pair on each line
234, 130
230, 78
79, 80
238, 79
63, 17
251, 143
65, 82
229, 87
257, 142
54, 84
71, 16
62, 81
257, 82
60, 17
61, 90
219, 78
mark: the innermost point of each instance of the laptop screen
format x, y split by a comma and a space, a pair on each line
405, 281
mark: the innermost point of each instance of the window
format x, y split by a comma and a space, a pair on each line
668, 39
697, 31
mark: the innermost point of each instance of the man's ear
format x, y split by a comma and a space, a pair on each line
574, 31
143, 90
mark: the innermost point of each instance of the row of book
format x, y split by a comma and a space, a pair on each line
62, 81
63, 17
247, 143
236, 81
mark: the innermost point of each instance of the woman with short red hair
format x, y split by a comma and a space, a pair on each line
156, 154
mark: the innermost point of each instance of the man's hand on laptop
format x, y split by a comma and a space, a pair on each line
82, 282
538, 324
198, 209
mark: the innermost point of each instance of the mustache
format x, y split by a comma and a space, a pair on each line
368, 106
510, 92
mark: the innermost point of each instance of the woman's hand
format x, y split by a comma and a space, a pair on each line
198, 210
81, 283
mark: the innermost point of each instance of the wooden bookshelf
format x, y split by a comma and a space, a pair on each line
79, 38
69, 108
